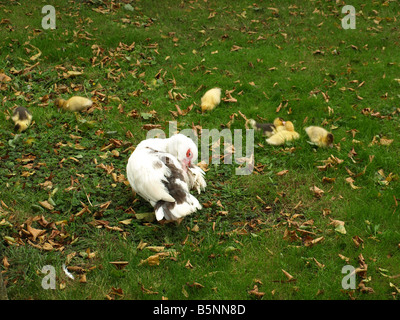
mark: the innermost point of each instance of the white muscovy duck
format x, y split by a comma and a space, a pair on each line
161, 171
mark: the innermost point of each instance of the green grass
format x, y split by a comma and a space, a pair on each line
242, 240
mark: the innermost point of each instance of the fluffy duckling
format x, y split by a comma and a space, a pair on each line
285, 134
268, 129
320, 136
73, 104
210, 99
22, 119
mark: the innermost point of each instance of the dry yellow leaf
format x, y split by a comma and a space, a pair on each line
141, 245
185, 293
72, 74
47, 246
126, 221
36, 56
45, 204
114, 228
153, 260
385, 142
203, 165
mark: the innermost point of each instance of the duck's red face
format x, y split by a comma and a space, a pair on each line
187, 161
189, 157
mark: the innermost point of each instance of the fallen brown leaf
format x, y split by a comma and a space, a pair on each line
147, 291
320, 265
328, 180
82, 278
256, 293
350, 181
188, 265
235, 48
195, 285
282, 173
317, 191
364, 289
339, 226
358, 241
156, 248
35, 232
76, 269
288, 275
344, 257
4, 78
309, 241
151, 126
119, 264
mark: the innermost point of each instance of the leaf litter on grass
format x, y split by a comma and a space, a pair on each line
123, 60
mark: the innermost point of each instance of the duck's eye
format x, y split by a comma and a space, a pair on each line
188, 154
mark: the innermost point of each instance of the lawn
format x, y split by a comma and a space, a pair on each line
285, 231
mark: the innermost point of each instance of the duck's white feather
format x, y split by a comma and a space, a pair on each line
146, 173
159, 177
195, 178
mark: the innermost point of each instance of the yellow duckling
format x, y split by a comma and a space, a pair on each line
320, 136
210, 99
283, 135
22, 119
74, 103
268, 129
